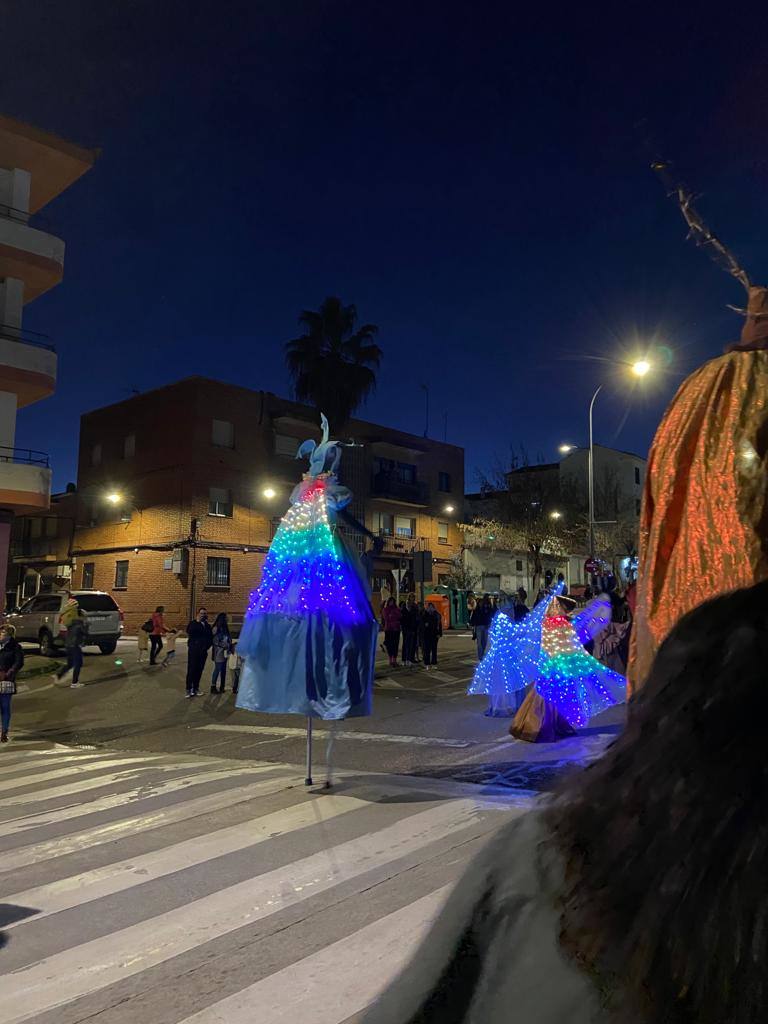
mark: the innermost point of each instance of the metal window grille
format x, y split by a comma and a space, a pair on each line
121, 575
217, 572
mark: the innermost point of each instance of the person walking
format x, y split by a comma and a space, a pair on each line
409, 621
74, 639
222, 645
480, 623
11, 663
521, 606
170, 647
157, 634
432, 630
391, 617
199, 640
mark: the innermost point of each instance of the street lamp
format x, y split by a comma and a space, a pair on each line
448, 509
269, 493
565, 448
114, 497
639, 368
555, 515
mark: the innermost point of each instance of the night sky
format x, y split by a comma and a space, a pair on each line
473, 178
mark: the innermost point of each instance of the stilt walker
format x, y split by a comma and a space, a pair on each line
309, 637
704, 516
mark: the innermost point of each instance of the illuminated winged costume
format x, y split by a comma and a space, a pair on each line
544, 655
309, 637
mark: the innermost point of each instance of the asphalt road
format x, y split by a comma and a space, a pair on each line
423, 722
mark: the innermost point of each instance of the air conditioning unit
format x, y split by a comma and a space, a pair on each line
64, 571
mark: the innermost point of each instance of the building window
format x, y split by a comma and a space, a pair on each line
35, 528
637, 506
96, 455
442, 533
285, 445
89, 569
384, 523
405, 526
518, 565
637, 474
223, 434
217, 572
491, 583
121, 575
220, 502
444, 482
129, 446
51, 526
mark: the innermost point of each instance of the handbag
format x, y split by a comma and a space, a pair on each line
7, 686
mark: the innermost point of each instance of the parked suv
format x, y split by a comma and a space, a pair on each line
39, 620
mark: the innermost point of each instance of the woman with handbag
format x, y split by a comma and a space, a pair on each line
11, 661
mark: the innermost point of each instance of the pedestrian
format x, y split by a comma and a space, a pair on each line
409, 623
480, 622
70, 611
11, 663
521, 606
471, 605
199, 640
222, 645
562, 585
142, 641
74, 638
235, 664
170, 646
636, 894
391, 617
157, 634
611, 646
432, 630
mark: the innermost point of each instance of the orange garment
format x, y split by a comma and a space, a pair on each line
704, 519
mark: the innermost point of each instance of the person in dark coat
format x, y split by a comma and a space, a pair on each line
11, 663
199, 641
74, 639
480, 623
409, 623
432, 629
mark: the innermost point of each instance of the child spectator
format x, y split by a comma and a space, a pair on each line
234, 664
142, 642
170, 647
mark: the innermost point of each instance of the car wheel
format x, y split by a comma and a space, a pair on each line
109, 647
47, 648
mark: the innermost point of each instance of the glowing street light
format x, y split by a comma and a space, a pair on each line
555, 515
269, 493
565, 448
114, 497
449, 508
641, 367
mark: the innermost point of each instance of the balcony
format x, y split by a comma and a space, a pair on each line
388, 487
30, 255
39, 549
28, 364
25, 480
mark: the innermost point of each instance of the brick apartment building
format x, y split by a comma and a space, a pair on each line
180, 489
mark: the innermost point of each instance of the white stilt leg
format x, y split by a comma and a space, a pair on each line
329, 754
308, 779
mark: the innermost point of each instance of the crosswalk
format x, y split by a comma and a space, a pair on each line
171, 889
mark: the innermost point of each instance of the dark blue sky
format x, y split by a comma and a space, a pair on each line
470, 176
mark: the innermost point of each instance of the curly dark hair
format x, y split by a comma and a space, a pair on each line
665, 838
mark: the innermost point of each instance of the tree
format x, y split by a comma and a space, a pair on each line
461, 577
332, 365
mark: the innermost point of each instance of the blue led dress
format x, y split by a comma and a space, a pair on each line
309, 637
539, 671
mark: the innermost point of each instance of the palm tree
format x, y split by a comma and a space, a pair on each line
332, 365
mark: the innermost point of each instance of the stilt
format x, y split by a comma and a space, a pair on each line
308, 779
329, 755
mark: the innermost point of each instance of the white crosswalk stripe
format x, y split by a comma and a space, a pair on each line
108, 915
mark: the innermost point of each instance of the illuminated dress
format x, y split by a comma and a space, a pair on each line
545, 652
309, 637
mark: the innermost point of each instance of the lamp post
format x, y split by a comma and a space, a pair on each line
639, 369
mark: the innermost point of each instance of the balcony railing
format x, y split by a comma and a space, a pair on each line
23, 456
386, 485
23, 217
37, 547
26, 337
398, 545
